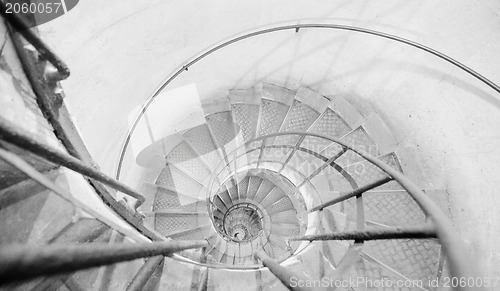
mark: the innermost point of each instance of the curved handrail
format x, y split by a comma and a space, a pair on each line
461, 264
295, 27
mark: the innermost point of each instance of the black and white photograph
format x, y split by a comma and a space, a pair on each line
153, 145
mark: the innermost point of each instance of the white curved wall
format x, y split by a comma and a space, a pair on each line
119, 52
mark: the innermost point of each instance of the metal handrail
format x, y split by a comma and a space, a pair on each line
23, 262
23, 166
460, 263
295, 27
24, 29
285, 275
421, 231
12, 134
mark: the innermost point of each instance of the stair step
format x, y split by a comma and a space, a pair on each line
221, 206
222, 126
391, 208
358, 139
178, 181
233, 192
199, 233
245, 106
201, 140
226, 198
329, 124
414, 259
263, 191
365, 172
285, 217
285, 230
243, 187
299, 118
380, 134
346, 111
275, 104
168, 198
172, 226
249, 156
254, 184
277, 153
272, 197
281, 206
184, 157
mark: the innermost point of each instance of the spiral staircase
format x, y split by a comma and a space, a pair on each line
276, 184
264, 188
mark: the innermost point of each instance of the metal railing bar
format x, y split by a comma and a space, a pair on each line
337, 167
461, 264
23, 166
222, 251
301, 139
415, 232
188, 231
285, 275
15, 136
175, 212
210, 51
22, 262
33, 173
313, 154
360, 213
325, 164
23, 28
289, 157
215, 266
50, 102
28, 170
261, 153
351, 194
